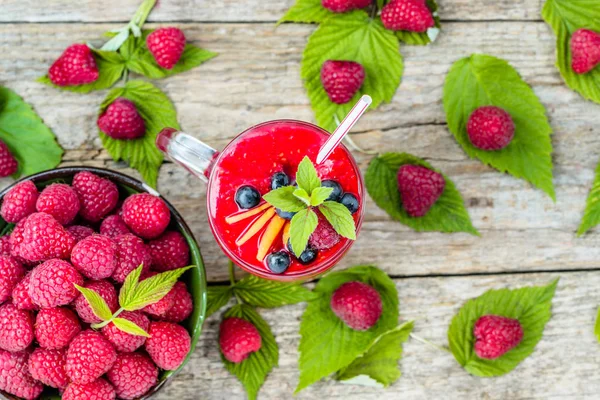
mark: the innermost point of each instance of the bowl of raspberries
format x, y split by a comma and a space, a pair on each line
102, 287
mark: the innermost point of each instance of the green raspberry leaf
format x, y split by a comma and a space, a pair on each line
306, 11
127, 326
151, 290
319, 195
284, 199
482, 80
31, 142
448, 214
158, 112
380, 361
355, 37
303, 224
423, 38
530, 305
253, 371
270, 294
591, 217
565, 17
301, 195
129, 285
307, 177
340, 218
327, 345
110, 68
218, 297
96, 302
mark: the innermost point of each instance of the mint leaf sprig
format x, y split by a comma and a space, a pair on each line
303, 200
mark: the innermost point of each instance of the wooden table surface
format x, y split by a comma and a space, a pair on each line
526, 238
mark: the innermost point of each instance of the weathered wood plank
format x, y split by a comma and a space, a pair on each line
564, 364
233, 11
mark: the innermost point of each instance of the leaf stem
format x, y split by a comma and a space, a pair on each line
104, 323
429, 343
232, 280
140, 16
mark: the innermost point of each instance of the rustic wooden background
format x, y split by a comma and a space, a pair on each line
526, 238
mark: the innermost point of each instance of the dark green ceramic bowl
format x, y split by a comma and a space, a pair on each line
195, 278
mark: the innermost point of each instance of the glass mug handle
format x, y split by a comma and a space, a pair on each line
187, 151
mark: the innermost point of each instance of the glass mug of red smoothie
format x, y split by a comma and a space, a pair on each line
263, 158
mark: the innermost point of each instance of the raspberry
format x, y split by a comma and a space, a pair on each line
168, 344
182, 307
75, 66
8, 163
53, 283
96, 390
60, 201
15, 377
19, 202
16, 328
103, 288
126, 342
490, 128
20, 295
11, 272
238, 338
89, 357
324, 237
495, 335
585, 50
131, 253
133, 375
146, 215
56, 327
5, 245
98, 196
342, 79
44, 238
121, 120
48, 367
357, 304
407, 15
169, 251
16, 238
419, 188
80, 232
113, 226
95, 257
342, 6
161, 307
166, 46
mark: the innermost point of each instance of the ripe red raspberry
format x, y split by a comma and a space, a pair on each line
95, 257
89, 357
8, 163
53, 283
419, 188
20, 295
121, 120
342, 79
146, 215
407, 15
238, 338
342, 6
133, 375
75, 66
168, 344
96, 390
103, 288
16, 239
182, 307
11, 273
48, 367
19, 202
98, 196
15, 378
60, 201
169, 251
80, 232
44, 238
495, 335
324, 237
5, 245
357, 304
113, 226
585, 50
56, 327
126, 342
16, 328
131, 253
490, 128
166, 46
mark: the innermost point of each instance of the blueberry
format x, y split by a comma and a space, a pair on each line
279, 179
308, 255
247, 197
350, 201
278, 262
285, 214
336, 195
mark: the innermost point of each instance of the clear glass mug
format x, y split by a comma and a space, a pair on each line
251, 159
